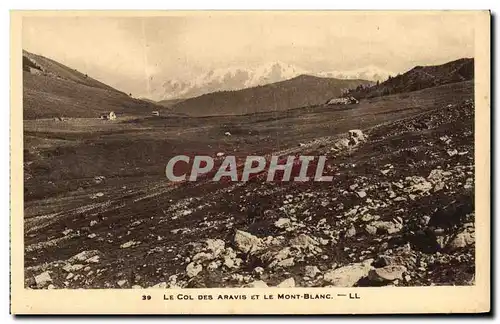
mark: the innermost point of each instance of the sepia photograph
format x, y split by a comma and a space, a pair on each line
175, 151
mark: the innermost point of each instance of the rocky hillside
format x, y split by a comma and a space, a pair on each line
51, 89
399, 212
420, 77
301, 91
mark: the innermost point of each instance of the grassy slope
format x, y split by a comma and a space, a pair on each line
301, 91
57, 90
65, 156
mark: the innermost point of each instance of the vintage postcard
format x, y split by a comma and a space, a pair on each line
250, 162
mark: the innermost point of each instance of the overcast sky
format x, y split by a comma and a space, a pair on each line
132, 53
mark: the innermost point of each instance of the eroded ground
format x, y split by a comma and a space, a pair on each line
399, 211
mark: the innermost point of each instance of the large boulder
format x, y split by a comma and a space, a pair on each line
349, 275
461, 240
246, 242
387, 274
356, 136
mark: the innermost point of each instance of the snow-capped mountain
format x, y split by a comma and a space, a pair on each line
371, 73
236, 78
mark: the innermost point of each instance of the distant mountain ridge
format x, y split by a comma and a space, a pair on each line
421, 77
237, 78
303, 90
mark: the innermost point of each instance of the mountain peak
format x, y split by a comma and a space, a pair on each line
238, 77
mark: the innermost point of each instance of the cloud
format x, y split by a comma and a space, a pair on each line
137, 54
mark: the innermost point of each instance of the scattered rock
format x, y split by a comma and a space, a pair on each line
43, 279
246, 242
72, 268
258, 271
305, 242
349, 275
97, 195
286, 263
287, 283
94, 259
461, 240
214, 265
311, 271
193, 269
370, 229
203, 256
121, 283
361, 194
282, 223
84, 255
128, 244
256, 284
387, 273
161, 285
350, 232
387, 227
215, 246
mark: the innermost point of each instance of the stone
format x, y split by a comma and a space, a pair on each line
42, 279
246, 242
357, 134
370, 229
203, 256
258, 271
387, 273
213, 265
350, 232
425, 220
282, 223
136, 287
161, 285
383, 261
73, 267
286, 263
256, 284
388, 227
323, 241
121, 283
215, 246
228, 262
85, 255
94, 259
311, 271
361, 194
128, 244
349, 275
287, 283
193, 269
304, 241
461, 240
